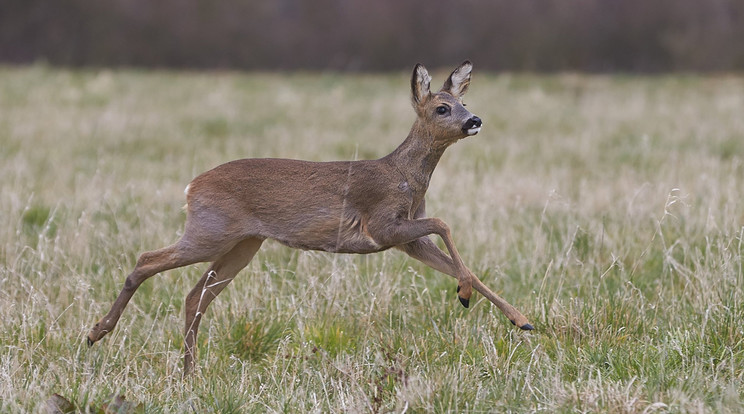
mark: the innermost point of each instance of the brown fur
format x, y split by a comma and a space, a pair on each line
344, 207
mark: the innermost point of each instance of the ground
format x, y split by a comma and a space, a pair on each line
608, 209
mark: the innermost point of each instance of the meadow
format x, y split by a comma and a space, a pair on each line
608, 209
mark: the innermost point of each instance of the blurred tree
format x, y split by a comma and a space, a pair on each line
534, 35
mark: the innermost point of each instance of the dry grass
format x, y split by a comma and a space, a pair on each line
609, 209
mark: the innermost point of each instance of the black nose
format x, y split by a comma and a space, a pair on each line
473, 122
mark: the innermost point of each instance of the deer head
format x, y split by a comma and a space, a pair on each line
442, 115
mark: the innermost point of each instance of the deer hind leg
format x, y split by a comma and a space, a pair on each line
214, 280
185, 252
148, 265
428, 253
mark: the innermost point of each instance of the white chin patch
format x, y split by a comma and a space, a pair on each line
473, 131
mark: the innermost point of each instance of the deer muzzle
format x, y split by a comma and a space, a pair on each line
472, 126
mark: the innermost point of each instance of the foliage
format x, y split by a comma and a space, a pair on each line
358, 35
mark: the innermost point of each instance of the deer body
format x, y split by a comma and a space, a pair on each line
330, 207
342, 207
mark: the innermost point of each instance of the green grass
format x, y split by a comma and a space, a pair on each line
608, 209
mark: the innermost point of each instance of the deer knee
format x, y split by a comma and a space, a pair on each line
144, 259
441, 227
130, 283
135, 279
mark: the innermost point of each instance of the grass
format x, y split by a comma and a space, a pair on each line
607, 208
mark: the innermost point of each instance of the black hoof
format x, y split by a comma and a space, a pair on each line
465, 302
526, 327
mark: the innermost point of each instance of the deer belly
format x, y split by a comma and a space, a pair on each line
338, 235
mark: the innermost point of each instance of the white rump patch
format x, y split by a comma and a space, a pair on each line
186, 191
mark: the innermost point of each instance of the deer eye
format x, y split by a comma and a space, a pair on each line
441, 110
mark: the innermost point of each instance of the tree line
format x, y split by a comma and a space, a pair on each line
364, 35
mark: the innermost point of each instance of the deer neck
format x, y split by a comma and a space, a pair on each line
417, 157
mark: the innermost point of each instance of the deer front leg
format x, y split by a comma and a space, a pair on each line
406, 231
427, 252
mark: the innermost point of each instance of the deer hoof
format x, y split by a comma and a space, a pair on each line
465, 302
525, 327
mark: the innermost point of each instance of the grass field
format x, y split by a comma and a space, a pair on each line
609, 209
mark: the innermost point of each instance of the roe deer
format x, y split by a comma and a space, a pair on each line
342, 206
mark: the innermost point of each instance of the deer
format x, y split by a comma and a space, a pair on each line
361, 206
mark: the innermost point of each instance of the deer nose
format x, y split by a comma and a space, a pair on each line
471, 123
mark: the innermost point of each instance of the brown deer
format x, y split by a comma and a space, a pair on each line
342, 206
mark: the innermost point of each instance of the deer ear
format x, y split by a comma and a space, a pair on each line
420, 84
458, 82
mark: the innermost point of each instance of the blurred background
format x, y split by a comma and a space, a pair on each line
362, 35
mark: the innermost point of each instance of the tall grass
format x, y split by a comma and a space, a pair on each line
608, 209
